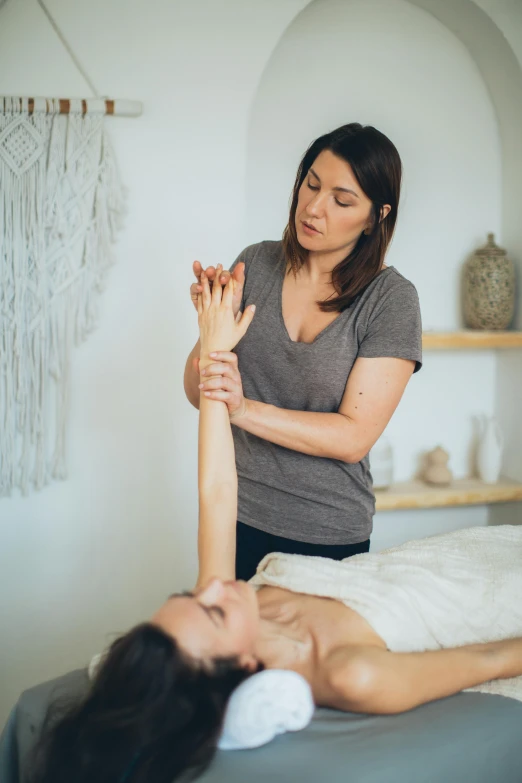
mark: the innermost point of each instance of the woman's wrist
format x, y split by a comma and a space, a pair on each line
241, 413
205, 359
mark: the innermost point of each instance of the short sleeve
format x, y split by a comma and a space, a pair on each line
394, 327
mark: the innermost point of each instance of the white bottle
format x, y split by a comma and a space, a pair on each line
489, 453
381, 464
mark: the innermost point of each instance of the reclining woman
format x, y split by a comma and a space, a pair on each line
156, 705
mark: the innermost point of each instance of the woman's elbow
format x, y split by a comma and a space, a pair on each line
354, 454
353, 444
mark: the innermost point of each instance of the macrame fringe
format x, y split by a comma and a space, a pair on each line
61, 204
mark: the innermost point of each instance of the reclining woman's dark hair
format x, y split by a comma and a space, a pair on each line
150, 714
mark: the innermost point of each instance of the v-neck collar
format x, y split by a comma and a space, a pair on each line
282, 269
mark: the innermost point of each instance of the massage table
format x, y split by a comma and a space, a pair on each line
467, 738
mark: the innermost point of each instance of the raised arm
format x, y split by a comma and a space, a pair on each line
374, 680
217, 476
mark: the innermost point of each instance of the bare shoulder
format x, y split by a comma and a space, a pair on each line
347, 676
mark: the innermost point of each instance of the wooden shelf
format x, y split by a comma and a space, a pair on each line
471, 338
462, 492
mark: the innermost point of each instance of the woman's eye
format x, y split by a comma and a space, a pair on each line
312, 187
341, 204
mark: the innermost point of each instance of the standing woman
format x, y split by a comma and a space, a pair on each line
317, 377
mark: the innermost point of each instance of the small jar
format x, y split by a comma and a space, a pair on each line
489, 288
381, 464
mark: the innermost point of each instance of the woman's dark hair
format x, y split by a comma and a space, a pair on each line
376, 165
150, 714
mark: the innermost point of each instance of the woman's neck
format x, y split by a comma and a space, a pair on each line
283, 644
318, 267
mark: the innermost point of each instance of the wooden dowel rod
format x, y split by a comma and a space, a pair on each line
117, 108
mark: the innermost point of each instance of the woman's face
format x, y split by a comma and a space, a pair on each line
332, 202
219, 620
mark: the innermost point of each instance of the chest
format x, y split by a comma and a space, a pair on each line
313, 627
292, 355
303, 319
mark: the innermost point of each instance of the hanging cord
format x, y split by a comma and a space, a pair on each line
67, 47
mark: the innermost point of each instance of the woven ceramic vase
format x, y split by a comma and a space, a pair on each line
489, 288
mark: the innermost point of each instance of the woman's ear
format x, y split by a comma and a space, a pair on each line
249, 662
385, 210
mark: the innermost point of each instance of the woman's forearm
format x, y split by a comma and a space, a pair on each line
508, 653
217, 490
329, 435
191, 377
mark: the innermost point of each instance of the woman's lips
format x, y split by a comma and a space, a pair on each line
309, 230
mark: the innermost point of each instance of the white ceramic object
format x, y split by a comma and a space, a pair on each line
489, 453
381, 464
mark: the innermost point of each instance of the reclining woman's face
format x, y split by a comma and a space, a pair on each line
219, 620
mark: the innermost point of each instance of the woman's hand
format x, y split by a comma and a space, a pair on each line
238, 274
225, 383
219, 328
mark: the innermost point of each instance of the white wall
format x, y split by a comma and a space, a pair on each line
90, 556
441, 219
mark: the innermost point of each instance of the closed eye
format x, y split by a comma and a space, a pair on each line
212, 612
219, 611
314, 187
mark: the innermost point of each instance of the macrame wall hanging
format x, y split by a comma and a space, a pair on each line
61, 201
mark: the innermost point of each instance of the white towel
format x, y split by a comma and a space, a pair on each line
443, 591
269, 703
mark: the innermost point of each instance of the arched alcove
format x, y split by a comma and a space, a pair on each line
479, 187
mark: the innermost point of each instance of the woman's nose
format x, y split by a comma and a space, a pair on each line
315, 207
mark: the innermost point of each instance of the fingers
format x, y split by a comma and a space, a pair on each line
246, 319
239, 273
219, 394
211, 273
228, 293
195, 289
216, 289
230, 370
205, 294
199, 304
224, 356
222, 382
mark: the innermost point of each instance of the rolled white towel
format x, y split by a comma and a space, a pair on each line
268, 703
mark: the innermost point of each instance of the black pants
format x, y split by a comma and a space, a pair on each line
252, 545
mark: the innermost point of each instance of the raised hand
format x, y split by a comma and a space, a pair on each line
219, 328
224, 276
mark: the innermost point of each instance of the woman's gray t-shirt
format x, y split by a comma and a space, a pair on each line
286, 492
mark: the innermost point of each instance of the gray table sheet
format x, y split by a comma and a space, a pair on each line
468, 738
